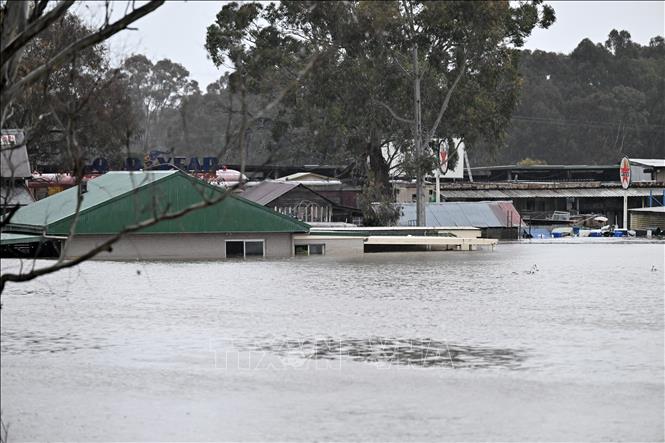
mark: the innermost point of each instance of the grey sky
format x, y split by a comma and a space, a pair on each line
177, 30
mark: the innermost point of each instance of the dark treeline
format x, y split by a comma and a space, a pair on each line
593, 106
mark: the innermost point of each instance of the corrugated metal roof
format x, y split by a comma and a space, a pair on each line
100, 190
509, 194
477, 214
655, 209
652, 162
120, 199
14, 160
267, 191
305, 176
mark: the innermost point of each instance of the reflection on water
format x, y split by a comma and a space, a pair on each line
29, 342
418, 352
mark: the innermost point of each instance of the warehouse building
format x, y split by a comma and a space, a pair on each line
495, 219
233, 227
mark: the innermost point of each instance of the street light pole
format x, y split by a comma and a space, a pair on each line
420, 191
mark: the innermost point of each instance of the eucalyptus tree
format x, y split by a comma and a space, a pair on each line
387, 72
156, 87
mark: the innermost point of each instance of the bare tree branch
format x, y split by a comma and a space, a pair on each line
33, 29
38, 10
11, 91
393, 113
446, 100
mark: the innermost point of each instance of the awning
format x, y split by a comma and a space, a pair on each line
510, 194
10, 238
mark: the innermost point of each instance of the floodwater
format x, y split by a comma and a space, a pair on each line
529, 342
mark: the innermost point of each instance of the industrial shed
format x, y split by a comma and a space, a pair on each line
234, 227
648, 218
495, 219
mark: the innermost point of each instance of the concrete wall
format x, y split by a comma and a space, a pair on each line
178, 246
334, 245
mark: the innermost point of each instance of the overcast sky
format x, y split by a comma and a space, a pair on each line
177, 30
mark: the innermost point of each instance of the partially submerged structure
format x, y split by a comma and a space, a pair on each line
232, 227
299, 201
540, 191
14, 170
495, 219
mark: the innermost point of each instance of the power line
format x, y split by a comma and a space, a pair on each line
590, 124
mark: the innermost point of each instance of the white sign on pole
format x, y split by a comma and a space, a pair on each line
624, 172
624, 175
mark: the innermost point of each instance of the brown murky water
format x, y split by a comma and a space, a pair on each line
529, 342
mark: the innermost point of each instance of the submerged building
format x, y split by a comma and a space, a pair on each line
299, 201
494, 219
231, 227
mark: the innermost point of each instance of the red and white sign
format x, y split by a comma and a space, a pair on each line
443, 159
624, 172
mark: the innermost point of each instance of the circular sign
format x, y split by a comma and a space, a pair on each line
624, 172
443, 159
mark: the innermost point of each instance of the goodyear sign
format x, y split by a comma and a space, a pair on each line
157, 160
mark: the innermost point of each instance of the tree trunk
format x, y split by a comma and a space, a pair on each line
417, 136
377, 166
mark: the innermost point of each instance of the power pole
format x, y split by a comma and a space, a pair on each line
417, 136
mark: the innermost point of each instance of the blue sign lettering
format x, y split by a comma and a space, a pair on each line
179, 162
194, 164
100, 165
151, 161
133, 164
210, 163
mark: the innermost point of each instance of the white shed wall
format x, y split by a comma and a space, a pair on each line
178, 246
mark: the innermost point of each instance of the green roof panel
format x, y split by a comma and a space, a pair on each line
100, 190
125, 199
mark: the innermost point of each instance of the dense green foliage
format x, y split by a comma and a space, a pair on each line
80, 110
595, 105
364, 71
312, 80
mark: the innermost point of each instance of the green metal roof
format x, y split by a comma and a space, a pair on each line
116, 200
101, 190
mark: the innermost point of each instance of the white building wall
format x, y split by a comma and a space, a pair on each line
178, 246
334, 245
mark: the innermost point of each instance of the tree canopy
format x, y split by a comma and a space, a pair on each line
595, 105
358, 95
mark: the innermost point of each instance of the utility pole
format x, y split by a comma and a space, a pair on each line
417, 137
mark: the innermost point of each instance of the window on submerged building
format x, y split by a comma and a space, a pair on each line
235, 249
244, 248
253, 249
315, 249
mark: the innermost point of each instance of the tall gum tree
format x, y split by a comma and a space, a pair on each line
363, 90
